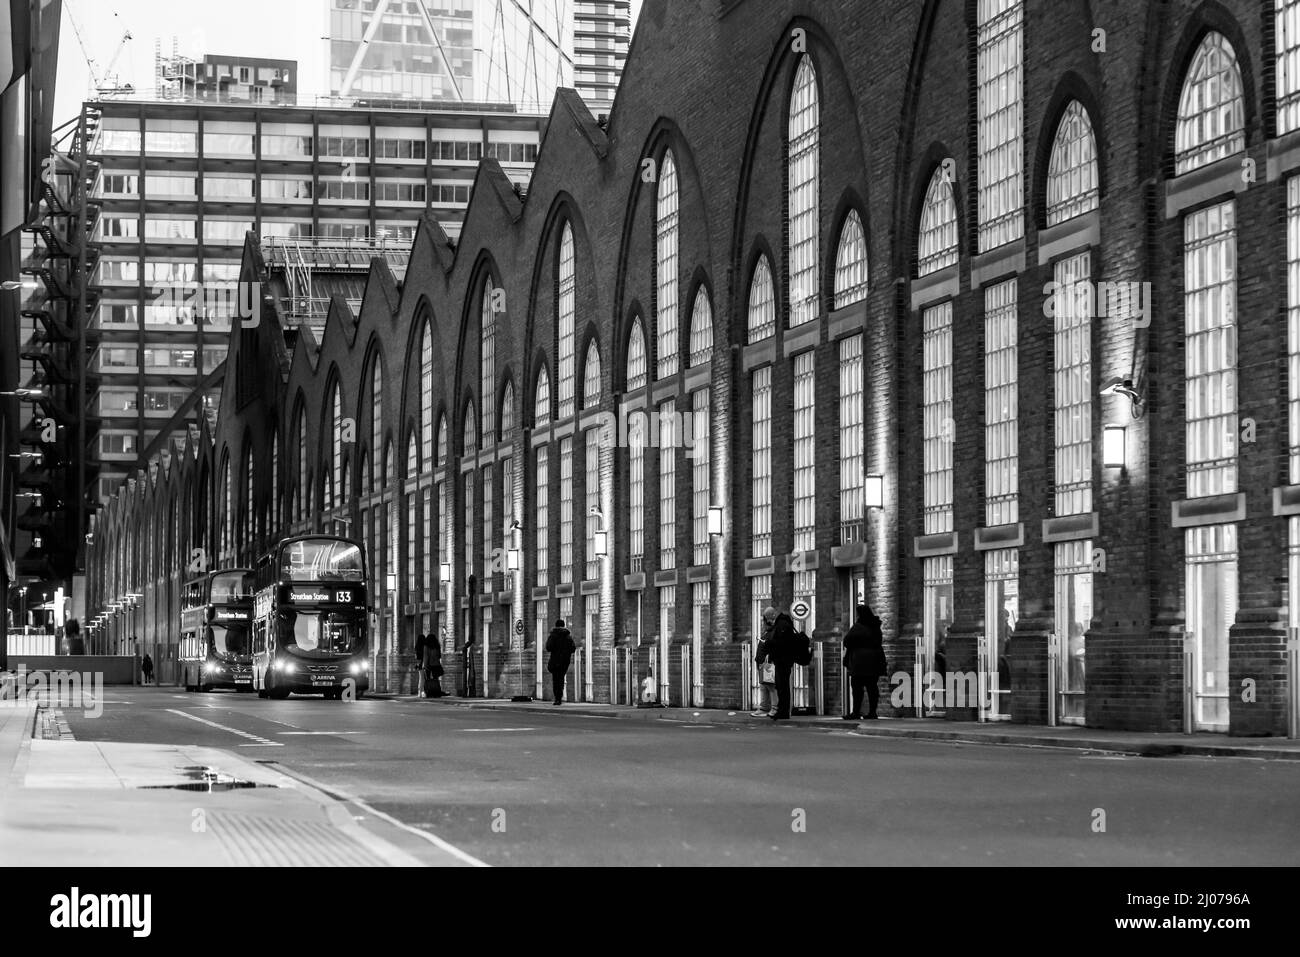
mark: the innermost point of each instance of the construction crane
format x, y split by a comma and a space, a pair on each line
109, 85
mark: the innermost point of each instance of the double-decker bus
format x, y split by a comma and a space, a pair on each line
216, 615
310, 628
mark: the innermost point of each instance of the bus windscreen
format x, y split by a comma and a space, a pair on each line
324, 632
321, 560
230, 639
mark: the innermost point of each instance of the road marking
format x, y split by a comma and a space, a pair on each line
320, 732
497, 729
221, 727
433, 839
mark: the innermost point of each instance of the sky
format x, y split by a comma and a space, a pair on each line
287, 29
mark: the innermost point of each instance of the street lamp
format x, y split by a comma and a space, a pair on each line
13, 285
512, 554
24, 394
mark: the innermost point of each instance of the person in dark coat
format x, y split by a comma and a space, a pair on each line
864, 656
432, 667
146, 669
560, 646
780, 646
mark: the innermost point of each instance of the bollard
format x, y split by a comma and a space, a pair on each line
1053, 664
1189, 683
1293, 683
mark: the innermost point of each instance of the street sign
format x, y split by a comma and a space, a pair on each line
800, 610
519, 626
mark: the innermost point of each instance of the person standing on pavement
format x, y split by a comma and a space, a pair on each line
864, 656
146, 669
781, 647
767, 698
560, 646
432, 667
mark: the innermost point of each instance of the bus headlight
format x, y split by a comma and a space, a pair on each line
209, 667
282, 665
355, 668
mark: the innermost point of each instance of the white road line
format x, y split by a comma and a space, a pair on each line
465, 730
320, 732
433, 839
221, 727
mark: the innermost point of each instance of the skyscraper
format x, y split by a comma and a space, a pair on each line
497, 51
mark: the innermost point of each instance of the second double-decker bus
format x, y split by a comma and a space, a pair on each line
310, 625
216, 615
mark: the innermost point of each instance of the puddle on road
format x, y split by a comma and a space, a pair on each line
203, 778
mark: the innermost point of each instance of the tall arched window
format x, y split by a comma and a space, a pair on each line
507, 411
1212, 108
303, 490
376, 422
936, 246
762, 302
273, 500
442, 441
804, 153
637, 373
426, 390
488, 363
227, 510
542, 398
591, 377
565, 314
338, 478
1000, 121
1288, 65
1072, 187
470, 434
701, 346
666, 222
851, 262
250, 521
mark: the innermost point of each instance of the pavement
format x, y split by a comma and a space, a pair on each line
1138, 743
65, 802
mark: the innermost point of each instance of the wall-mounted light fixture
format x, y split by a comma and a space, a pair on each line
873, 490
600, 538
512, 554
715, 520
1112, 446
444, 573
1117, 386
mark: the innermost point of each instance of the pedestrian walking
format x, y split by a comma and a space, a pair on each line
432, 667
864, 657
560, 646
767, 698
782, 649
146, 669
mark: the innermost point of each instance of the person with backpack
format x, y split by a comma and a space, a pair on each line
785, 648
864, 657
560, 646
146, 669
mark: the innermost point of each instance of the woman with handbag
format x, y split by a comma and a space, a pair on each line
864, 657
767, 699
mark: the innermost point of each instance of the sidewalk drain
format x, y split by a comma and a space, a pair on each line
204, 778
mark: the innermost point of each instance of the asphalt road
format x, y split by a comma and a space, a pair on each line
560, 788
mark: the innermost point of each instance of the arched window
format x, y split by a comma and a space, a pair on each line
1212, 108
701, 330
442, 441
851, 262
762, 302
376, 422
591, 377
302, 492
273, 510
488, 363
542, 398
937, 242
507, 411
250, 523
227, 511
1288, 65
565, 314
470, 445
666, 221
1072, 187
412, 456
804, 153
637, 373
338, 476
426, 390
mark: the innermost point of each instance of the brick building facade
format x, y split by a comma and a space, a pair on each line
996, 252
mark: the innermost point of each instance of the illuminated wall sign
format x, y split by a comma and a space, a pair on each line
232, 616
